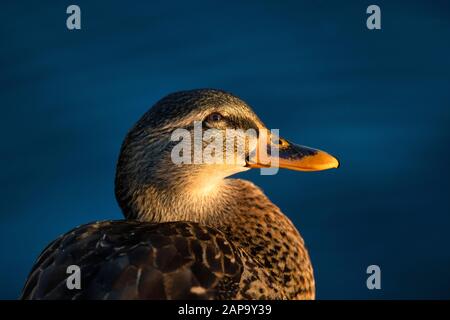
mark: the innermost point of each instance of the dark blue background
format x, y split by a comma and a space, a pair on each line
379, 100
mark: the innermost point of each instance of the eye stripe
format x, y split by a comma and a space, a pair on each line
243, 123
230, 121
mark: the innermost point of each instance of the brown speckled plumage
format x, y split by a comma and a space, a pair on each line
228, 243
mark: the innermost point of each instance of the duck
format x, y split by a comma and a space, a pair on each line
191, 231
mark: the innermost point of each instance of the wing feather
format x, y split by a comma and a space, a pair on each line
135, 260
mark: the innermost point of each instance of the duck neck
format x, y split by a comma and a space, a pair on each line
200, 197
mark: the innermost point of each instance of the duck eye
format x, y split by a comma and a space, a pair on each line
214, 117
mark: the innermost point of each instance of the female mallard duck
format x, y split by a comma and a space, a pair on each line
191, 232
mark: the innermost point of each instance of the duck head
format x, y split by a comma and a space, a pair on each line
174, 161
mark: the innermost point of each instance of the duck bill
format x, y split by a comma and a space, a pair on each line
292, 156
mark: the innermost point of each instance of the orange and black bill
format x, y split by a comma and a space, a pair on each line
292, 156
